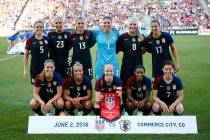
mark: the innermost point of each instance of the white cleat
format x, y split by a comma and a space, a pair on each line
126, 114
80, 113
139, 113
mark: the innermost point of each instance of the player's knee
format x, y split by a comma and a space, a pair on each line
34, 104
88, 105
68, 105
129, 105
155, 107
148, 105
60, 103
179, 109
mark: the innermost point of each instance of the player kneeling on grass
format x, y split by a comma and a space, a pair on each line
78, 91
168, 92
138, 92
108, 83
47, 90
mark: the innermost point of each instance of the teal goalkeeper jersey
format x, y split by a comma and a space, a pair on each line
106, 53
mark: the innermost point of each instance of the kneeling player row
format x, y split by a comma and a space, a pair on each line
76, 92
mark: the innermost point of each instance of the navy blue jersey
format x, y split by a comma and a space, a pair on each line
159, 47
76, 90
39, 53
131, 46
48, 88
102, 87
167, 92
59, 48
81, 44
139, 89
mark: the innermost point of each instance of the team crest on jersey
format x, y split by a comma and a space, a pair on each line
49, 85
163, 40
46, 42
78, 88
139, 89
59, 37
109, 89
109, 102
157, 42
174, 86
40, 42
134, 39
81, 37
99, 124
114, 87
168, 88
54, 83
144, 87
65, 36
84, 87
125, 125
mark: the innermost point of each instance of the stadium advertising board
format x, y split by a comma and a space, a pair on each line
125, 125
183, 31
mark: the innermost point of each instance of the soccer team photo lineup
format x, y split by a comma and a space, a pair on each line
111, 62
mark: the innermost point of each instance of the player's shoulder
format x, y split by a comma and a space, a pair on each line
147, 79
86, 79
52, 33
176, 78
165, 34
117, 80
123, 35
148, 37
57, 75
159, 79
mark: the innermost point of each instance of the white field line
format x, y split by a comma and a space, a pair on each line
7, 58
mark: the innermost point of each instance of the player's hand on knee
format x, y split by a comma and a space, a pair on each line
171, 107
43, 110
78, 105
48, 106
141, 104
164, 107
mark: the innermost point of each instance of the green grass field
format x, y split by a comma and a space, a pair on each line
15, 93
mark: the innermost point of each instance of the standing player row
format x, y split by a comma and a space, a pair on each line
132, 44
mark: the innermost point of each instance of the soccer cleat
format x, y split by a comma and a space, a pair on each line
48, 114
80, 113
126, 114
62, 113
139, 113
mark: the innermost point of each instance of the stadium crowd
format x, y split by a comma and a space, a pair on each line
184, 14
9, 14
171, 14
47, 11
